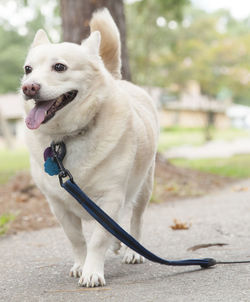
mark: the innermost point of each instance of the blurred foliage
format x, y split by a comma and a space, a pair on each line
14, 46
147, 42
170, 43
211, 48
13, 49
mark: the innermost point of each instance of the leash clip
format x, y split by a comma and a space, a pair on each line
63, 174
59, 152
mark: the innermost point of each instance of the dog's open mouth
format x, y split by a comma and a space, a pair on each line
45, 110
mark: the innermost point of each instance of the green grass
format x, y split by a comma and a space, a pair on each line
12, 161
5, 220
177, 136
236, 167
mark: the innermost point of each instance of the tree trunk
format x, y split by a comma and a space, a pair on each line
76, 15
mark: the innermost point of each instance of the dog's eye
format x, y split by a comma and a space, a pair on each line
28, 69
59, 67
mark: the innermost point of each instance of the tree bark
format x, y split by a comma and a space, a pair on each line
76, 15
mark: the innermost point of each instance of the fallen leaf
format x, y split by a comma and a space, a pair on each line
205, 245
22, 197
171, 189
178, 225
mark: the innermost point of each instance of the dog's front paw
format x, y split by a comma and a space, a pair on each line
131, 257
91, 279
76, 270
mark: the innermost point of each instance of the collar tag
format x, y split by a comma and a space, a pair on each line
50, 165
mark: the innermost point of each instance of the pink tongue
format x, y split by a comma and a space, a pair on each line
37, 114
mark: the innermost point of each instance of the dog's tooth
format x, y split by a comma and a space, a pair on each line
59, 100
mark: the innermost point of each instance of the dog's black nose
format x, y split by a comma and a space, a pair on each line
31, 89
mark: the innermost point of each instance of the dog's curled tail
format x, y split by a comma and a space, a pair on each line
110, 49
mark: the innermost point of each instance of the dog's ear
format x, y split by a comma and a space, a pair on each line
40, 38
93, 42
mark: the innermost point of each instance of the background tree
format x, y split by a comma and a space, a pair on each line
148, 41
210, 48
76, 15
13, 50
169, 43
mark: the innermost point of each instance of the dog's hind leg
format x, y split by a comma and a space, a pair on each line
130, 256
72, 227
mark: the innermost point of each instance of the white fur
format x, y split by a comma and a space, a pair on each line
110, 130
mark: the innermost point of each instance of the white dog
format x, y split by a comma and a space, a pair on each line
73, 93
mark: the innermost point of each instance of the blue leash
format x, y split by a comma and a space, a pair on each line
110, 225
53, 166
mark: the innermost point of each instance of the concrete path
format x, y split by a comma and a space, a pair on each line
34, 266
213, 149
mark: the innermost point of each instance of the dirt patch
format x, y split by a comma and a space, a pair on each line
23, 199
173, 182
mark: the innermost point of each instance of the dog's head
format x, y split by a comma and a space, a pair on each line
57, 78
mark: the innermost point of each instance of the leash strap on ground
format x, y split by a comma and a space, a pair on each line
53, 157
111, 226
